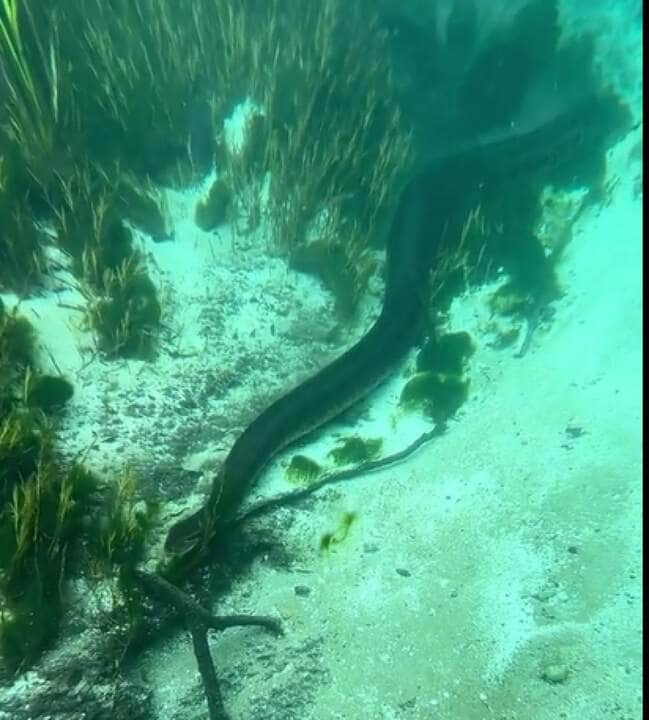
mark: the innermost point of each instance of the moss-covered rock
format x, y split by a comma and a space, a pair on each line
47, 392
212, 210
17, 341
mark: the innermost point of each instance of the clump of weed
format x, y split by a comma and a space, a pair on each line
510, 301
125, 521
343, 273
17, 341
143, 207
302, 470
123, 310
437, 394
38, 527
355, 449
439, 387
446, 354
330, 539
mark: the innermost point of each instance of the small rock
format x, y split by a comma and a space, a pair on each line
302, 590
575, 431
555, 673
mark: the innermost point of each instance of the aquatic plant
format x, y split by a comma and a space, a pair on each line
302, 469
21, 255
151, 101
446, 353
30, 77
330, 539
24, 440
439, 395
142, 205
123, 525
51, 515
87, 221
355, 450
122, 308
326, 149
147, 96
41, 508
17, 341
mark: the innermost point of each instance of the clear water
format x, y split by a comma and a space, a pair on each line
492, 572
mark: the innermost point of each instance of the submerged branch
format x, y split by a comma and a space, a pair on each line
293, 496
199, 621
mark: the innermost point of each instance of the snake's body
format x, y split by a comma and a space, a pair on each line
431, 209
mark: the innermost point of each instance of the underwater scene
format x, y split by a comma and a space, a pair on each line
320, 359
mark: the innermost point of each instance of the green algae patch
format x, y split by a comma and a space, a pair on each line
352, 450
302, 470
330, 539
436, 394
446, 354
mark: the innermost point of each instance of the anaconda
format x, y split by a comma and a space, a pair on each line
430, 212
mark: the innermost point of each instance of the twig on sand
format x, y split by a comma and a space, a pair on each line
293, 496
199, 621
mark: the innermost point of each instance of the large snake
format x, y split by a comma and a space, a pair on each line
429, 213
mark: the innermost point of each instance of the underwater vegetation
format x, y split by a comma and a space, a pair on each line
562, 150
302, 470
447, 353
437, 394
324, 144
323, 135
21, 254
56, 517
142, 205
123, 310
351, 450
39, 526
17, 355
53, 513
123, 524
17, 341
439, 387
330, 539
